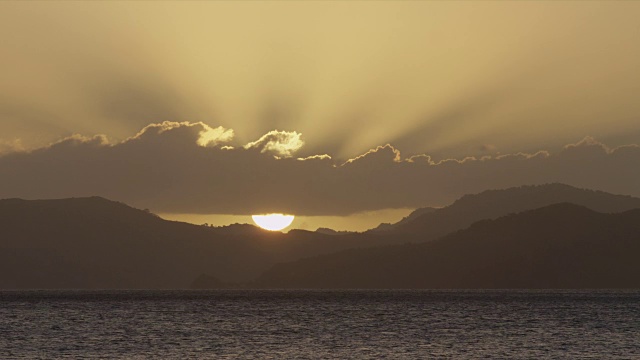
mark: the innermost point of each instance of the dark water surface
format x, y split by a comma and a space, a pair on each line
320, 324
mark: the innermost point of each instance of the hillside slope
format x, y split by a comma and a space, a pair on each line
492, 204
558, 246
98, 243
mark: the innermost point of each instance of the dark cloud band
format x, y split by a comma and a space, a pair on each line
194, 168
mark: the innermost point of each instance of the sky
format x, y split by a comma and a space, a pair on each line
345, 114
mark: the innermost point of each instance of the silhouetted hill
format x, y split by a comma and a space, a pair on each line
328, 231
557, 246
493, 204
414, 215
238, 229
429, 223
98, 243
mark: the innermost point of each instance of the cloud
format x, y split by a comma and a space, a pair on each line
185, 167
588, 143
11, 146
385, 152
212, 137
77, 140
207, 136
282, 143
316, 157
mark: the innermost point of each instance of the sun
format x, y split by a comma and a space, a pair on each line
273, 222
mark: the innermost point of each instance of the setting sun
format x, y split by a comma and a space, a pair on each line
273, 222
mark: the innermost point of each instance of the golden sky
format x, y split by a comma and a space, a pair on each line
446, 79
433, 77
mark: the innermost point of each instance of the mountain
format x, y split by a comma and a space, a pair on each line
492, 204
407, 219
328, 231
429, 223
97, 243
557, 246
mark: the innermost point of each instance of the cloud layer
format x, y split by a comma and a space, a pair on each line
195, 168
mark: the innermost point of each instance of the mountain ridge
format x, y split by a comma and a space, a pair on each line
98, 243
558, 246
491, 204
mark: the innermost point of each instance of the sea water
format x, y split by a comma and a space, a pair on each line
301, 324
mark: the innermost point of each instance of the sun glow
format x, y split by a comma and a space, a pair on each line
273, 222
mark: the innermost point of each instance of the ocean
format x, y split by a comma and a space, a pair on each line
322, 324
